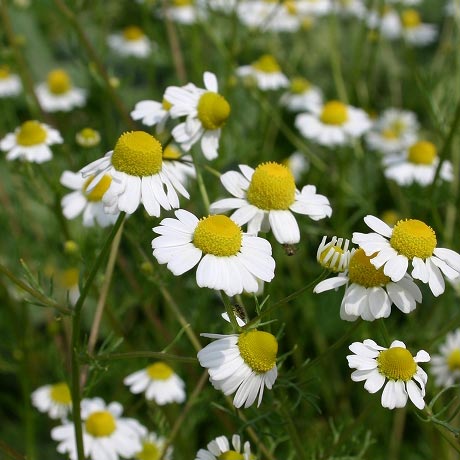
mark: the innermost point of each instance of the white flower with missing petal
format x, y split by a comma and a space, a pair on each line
54, 400
445, 366
334, 255
220, 449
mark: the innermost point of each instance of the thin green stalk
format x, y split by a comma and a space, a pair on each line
334, 56
201, 185
292, 430
230, 312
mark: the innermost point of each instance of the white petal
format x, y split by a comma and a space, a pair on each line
284, 227
378, 225
415, 394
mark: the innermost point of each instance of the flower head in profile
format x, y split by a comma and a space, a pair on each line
152, 448
445, 366
394, 367
137, 175
227, 258
31, 142
220, 448
10, 83
185, 12
206, 112
266, 197
54, 400
88, 137
243, 363
410, 240
302, 96
152, 113
131, 41
159, 382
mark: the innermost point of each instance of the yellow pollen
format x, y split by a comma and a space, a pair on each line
137, 153
166, 104
422, 153
31, 133
159, 371
230, 455
362, 272
97, 192
4, 72
410, 18
332, 263
396, 364
453, 360
267, 64
60, 393
69, 278
258, 350
100, 424
213, 110
58, 81
389, 134
413, 238
132, 33
218, 235
150, 451
272, 187
334, 113
171, 153
299, 85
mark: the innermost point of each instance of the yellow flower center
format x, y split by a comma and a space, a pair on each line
333, 262
182, 2
4, 72
150, 451
334, 113
132, 33
166, 104
97, 192
69, 278
213, 110
60, 393
396, 364
31, 133
422, 153
258, 350
137, 153
290, 6
299, 85
453, 360
100, 424
218, 235
362, 272
230, 455
272, 187
59, 82
171, 153
88, 137
413, 238
410, 18
389, 134
159, 371
267, 64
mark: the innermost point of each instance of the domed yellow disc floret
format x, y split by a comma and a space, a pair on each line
218, 235
362, 272
413, 238
132, 33
60, 393
299, 85
97, 192
137, 153
4, 72
100, 424
396, 364
410, 18
422, 153
272, 187
159, 371
230, 455
150, 451
31, 133
213, 110
334, 113
258, 350
453, 360
58, 81
267, 64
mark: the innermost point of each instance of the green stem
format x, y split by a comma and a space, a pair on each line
335, 60
292, 430
201, 186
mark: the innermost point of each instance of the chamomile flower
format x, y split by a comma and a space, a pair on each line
106, 435
285, 17
159, 382
10, 83
54, 400
87, 202
394, 367
152, 113
302, 96
206, 111
369, 293
131, 41
266, 72
58, 93
138, 175
333, 124
409, 240
446, 365
255, 13
88, 137
245, 363
414, 31
227, 259
267, 197
31, 142
417, 164
334, 255
220, 448
152, 448
184, 12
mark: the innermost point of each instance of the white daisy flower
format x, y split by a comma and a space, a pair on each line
297, 163
285, 18
354, 8
334, 255
54, 400
159, 382
152, 113
266, 198
446, 365
131, 41
58, 93
414, 31
31, 142
152, 448
417, 164
409, 240
184, 12
227, 258
106, 436
10, 83
89, 203
333, 124
396, 366
206, 111
369, 293
139, 175
245, 363
220, 448
266, 72
88, 137
302, 96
